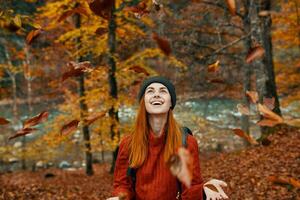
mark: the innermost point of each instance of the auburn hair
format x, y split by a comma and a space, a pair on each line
138, 146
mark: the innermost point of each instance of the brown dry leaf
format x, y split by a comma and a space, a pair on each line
163, 44
139, 69
22, 132
215, 67
285, 180
244, 135
102, 8
139, 10
268, 114
255, 53
212, 187
253, 95
69, 127
231, 6
181, 165
292, 122
66, 15
4, 121
101, 31
36, 119
216, 80
243, 109
82, 11
267, 122
33, 35
92, 119
76, 69
269, 102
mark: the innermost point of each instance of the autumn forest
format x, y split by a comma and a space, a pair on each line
70, 72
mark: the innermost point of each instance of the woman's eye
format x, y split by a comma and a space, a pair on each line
163, 91
150, 91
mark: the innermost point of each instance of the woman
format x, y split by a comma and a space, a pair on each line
155, 138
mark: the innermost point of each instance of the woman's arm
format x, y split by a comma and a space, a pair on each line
122, 185
195, 192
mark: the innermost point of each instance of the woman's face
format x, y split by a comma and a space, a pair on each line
157, 99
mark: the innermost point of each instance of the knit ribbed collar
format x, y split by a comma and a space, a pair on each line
156, 141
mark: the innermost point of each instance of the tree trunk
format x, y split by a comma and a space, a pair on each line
113, 112
83, 113
267, 82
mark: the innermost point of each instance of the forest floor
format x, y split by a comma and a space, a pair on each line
249, 173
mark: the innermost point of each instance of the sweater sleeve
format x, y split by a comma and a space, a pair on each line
195, 192
122, 185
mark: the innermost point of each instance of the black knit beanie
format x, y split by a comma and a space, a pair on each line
162, 80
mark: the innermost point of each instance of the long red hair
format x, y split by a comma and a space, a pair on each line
138, 148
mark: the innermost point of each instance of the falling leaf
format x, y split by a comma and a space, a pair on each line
139, 69
3, 121
65, 15
181, 165
292, 122
22, 132
32, 35
82, 11
102, 8
267, 122
101, 31
269, 102
163, 44
215, 67
139, 10
255, 53
231, 6
246, 136
285, 180
243, 109
253, 95
215, 80
92, 119
69, 127
212, 187
36, 119
270, 115
76, 69
17, 21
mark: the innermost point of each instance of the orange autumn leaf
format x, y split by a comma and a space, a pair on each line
269, 102
139, 69
231, 6
69, 127
76, 69
36, 119
255, 53
139, 10
268, 114
92, 119
267, 122
65, 15
32, 35
4, 121
163, 44
285, 180
215, 67
253, 95
243, 109
181, 165
292, 122
244, 135
22, 132
101, 31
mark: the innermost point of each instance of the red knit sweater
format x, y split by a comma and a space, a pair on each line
153, 179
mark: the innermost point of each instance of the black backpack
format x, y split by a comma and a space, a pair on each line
131, 172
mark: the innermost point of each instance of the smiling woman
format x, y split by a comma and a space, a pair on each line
142, 172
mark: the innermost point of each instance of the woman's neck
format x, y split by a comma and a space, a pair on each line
157, 123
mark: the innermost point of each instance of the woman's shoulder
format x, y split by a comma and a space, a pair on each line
191, 141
